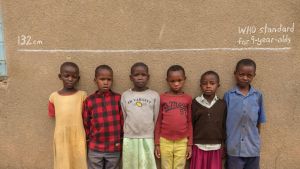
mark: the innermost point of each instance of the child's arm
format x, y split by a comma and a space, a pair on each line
258, 127
51, 110
261, 113
193, 114
224, 123
156, 108
157, 133
190, 131
86, 117
223, 145
225, 97
156, 111
51, 107
123, 108
121, 120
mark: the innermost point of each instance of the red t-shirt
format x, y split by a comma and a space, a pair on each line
174, 119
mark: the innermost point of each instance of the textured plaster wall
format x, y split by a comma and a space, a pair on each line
25, 130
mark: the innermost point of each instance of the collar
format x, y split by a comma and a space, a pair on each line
176, 95
138, 91
201, 100
108, 93
237, 90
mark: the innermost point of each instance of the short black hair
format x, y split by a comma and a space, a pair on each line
137, 64
245, 62
210, 72
174, 68
103, 67
62, 66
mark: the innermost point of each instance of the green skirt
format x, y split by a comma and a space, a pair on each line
138, 153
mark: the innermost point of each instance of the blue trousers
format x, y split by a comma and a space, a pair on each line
242, 162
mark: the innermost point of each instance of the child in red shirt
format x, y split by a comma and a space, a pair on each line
173, 130
103, 119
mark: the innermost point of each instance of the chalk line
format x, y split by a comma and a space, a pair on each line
148, 50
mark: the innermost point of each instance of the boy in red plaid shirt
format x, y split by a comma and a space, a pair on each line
103, 121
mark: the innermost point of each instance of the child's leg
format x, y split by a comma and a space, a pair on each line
146, 158
252, 163
180, 148
130, 154
214, 159
112, 160
235, 162
197, 158
166, 153
194, 160
95, 159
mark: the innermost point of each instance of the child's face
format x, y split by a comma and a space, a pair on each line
176, 81
244, 75
104, 79
209, 85
69, 76
139, 77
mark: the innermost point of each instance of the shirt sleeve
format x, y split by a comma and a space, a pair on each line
156, 107
193, 113
158, 127
226, 98
224, 123
261, 113
121, 118
123, 108
86, 117
189, 121
51, 107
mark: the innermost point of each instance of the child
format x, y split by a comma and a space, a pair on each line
66, 106
173, 130
245, 113
102, 118
209, 120
140, 106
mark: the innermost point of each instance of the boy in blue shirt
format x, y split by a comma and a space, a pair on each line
245, 114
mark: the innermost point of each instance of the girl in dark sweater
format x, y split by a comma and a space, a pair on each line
208, 120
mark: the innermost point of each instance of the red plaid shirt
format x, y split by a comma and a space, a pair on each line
103, 121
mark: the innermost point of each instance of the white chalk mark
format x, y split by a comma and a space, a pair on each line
148, 50
161, 32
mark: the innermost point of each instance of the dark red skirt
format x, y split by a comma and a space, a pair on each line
206, 159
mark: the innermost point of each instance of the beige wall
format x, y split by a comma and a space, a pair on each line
26, 131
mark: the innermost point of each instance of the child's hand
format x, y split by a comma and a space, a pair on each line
223, 151
188, 152
157, 151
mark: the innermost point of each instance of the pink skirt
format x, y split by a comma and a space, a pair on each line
206, 159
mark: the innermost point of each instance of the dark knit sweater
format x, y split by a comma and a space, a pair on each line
209, 123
